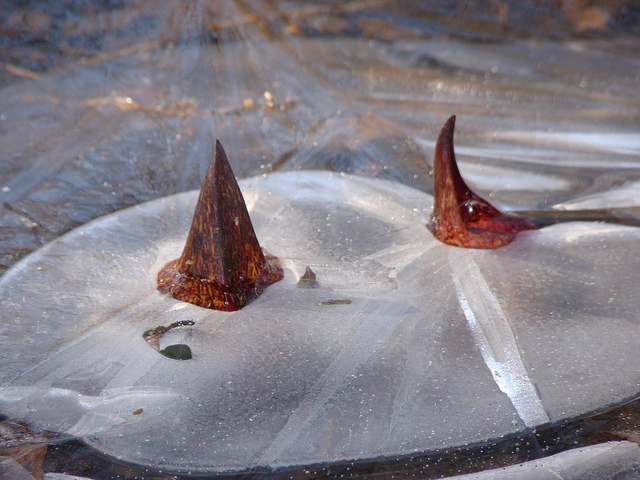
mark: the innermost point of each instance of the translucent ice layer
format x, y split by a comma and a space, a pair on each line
10, 469
404, 345
538, 121
619, 460
356, 87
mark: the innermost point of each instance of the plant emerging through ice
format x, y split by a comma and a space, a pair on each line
403, 344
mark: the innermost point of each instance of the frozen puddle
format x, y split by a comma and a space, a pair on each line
407, 345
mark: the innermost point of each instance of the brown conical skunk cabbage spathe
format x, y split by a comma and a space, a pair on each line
222, 265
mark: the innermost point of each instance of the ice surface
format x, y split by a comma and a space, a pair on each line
285, 381
627, 195
12, 470
542, 123
99, 136
584, 275
63, 476
438, 347
619, 460
67, 411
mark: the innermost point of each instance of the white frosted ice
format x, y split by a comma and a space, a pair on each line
624, 143
493, 335
619, 460
437, 347
12, 470
114, 411
627, 195
63, 476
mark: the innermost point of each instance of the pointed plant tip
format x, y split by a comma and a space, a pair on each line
449, 125
218, 153
445, 138
460, 217
222, 266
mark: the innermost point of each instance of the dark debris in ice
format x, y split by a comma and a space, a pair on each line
308, 279
179, 351
152, 337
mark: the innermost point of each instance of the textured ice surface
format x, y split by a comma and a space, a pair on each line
287, 380
619, 460
12, 470
362, 88
438, 347
538, 121
63, 476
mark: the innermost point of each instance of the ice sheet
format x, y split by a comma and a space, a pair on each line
362, 88
10, 469
280, 382
619, 460
126, 128
439, 346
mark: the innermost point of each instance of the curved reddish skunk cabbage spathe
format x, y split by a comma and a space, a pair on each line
222, 266
460, 217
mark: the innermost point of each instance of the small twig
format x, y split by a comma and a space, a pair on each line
152, 337
21, 72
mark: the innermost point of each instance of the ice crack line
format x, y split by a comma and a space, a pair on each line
380, 319
492, 333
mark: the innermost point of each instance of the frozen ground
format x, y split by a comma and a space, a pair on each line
107, 108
